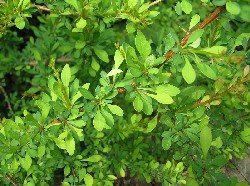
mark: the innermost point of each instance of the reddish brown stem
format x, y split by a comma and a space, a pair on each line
208, 20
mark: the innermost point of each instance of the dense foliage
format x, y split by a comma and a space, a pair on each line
90, 99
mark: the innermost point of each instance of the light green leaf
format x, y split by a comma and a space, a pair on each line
138, 104
93, 158
66, 75
81, 23
195, 19
122, 172
78, 123
80, 44
233, 7
245, 134
161, 97
19, 22
219, 2
192, 182
115, 110
186, 6
108, 117
147, 104
95, 65
188, 72
88, 179
86, 94
70, 144
217, 142
114, 72
73, 3
205, 140
132, 3
40, 150
99, 121
216, 50
205, 69
118, 59
130, 27
169, 42
178, 8
166, 142
168, 89
26, 162
102, 54
142, 45
152, 124
194, 36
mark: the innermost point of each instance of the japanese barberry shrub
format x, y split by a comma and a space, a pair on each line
95, 92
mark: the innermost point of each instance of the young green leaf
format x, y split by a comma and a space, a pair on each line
188, 72
166, 142
115, 110
233, 7
70, 144
130, 27
114, 72
102, 54
192, 182
88, 179
108, 117
195, 19
138, 104
26, 162
152, 124
86, 94
142, 45
205, 69
205, 140
81, 23
93, 158
66, 75
118, 59
99, 121
73, 3
217, 50
186, 6
194, 36
40, 150
178, 8
161, 97
19, 22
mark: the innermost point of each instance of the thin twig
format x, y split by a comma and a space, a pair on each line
154, 3
6, 98
44, 8
62, 59
208, 20
11, 180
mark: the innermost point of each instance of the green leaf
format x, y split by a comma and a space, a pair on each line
194, 36
130, 27
118, 59
122, 172
245, 134
162, 97
102, 54
152, 124
138, 104
78, 123
192, 182
81, 23
132, 3
188, 72
168, 89
108, 117
88, 179
26, 162
70, 144
142, 45
219, 2
233, 7
115, 110
166, 142
40, 150
205, 69
205, 140
217, 50
66, 75
95, 65
86, 94
186, 6
178, 8
195, 19
73, 3
114, 72
169, 42
99, 121
19, 22
217, 142
93, 158
147, 104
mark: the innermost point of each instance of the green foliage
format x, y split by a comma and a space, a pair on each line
92, 102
